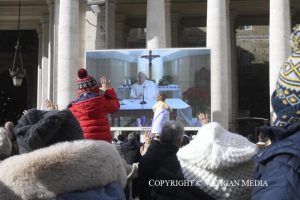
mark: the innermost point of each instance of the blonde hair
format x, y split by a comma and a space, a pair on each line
295, 38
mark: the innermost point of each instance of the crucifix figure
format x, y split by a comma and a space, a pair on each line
150, 57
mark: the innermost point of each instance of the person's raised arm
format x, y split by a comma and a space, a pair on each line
112, 102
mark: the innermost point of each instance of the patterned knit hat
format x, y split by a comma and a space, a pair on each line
5, 144
86, 83
286, 97
215, 159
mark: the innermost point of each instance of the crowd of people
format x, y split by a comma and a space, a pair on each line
71, 154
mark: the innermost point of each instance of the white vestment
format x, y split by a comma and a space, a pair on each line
148, 87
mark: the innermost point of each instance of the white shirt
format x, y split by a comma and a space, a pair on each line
149, 88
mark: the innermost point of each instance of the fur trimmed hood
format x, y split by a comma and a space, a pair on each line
59, 169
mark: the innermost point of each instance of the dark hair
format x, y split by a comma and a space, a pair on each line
121, 137
172, 132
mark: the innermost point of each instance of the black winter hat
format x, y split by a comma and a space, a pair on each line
40, 128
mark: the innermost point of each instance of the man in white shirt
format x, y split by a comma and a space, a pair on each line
147, 87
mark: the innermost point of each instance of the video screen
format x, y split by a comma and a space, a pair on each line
182, 75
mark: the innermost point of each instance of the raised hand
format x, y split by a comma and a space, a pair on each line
104, 83
203, 118
50, 106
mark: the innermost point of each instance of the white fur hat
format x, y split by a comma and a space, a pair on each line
217, 157
5, 144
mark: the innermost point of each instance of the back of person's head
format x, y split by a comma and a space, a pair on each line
285, 99
161, 97
172, 133
215, 155
5, 144
39, 128
121, 138
131, 137
86, 83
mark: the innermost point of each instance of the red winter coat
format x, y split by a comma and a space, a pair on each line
92, 115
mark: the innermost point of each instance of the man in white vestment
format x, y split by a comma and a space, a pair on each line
147, 87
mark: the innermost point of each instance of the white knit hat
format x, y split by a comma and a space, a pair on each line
5, 144
215, 158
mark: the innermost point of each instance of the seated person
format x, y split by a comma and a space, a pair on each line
147, 87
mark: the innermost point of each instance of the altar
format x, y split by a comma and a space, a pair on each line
132, 108
123, 91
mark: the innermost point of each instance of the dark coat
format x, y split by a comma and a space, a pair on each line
161, 163
131, 151
279, 165
92, 115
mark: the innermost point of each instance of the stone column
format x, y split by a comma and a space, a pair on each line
82, 47
175, 19
156, 24
110, 23
50, 49
232, 76
39, 70
217, 41
55, 48
121, 34
156, 29
68, 52
279, 33
44, 61
168, 23
101, 28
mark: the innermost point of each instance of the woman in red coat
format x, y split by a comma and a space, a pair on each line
92, 106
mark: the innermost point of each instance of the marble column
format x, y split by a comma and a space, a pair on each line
110, 23
55, 48
121, 31
233, 74
68, 52
51, 8
101, 28
44, 60
156, 33
217, 41
82, 47
39, 70
156, 24
279, 33
175, 20
168, 23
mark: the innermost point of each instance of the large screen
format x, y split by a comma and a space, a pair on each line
182, 74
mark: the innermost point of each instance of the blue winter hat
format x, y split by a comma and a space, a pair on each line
286, 97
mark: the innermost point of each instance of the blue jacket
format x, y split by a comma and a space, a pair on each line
278, 166
112, 191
